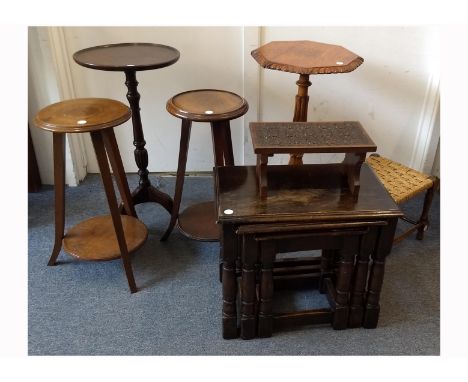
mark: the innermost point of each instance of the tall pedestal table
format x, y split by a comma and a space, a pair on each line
305, 58
130, 58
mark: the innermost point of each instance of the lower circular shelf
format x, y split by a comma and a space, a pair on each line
198, 222
95, 239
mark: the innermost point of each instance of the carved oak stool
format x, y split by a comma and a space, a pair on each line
217, 107
269, 138
102, 237
305, 58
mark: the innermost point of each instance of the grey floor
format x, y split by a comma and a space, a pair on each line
85, 308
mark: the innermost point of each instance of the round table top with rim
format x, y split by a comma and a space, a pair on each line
127, 56
207, 105
82, 115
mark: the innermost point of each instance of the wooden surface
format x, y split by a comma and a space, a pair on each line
199, 222
308, 208
127, 56
95, 238
306, 57
82, 115
207, 105
309, 193
310, 137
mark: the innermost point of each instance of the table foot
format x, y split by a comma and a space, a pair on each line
149, 193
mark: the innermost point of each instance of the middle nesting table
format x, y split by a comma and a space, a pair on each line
217, 107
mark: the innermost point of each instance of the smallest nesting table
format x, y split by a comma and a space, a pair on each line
269, 138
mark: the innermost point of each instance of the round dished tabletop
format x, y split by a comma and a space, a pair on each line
207, 105
127, 56
82, 115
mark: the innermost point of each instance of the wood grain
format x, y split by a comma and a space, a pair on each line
82, 115
207, 105
306, 57
95, 238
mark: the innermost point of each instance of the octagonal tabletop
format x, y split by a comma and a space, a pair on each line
306, 57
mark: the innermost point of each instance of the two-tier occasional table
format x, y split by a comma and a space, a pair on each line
105, 237
305, 58
130, 58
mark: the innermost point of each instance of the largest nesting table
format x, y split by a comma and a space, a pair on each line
312, 196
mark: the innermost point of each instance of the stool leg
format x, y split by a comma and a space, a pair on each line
228, 153
217, 135
59, 181
101, 157
110, 144
424, 219
183, 152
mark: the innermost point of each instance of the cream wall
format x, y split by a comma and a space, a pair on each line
394, 93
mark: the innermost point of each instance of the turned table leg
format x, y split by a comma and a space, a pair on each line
145, 192
383, 248
300, 110
248, 300
229, 280
265, 312
356, 310
343, 285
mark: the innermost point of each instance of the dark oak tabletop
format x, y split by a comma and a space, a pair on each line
305, 193
310, 137
306, 57
127, 56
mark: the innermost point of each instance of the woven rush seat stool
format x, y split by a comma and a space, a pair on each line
102, 237
403, 184
217, 107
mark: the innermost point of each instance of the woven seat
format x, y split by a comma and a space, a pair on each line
404, 183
